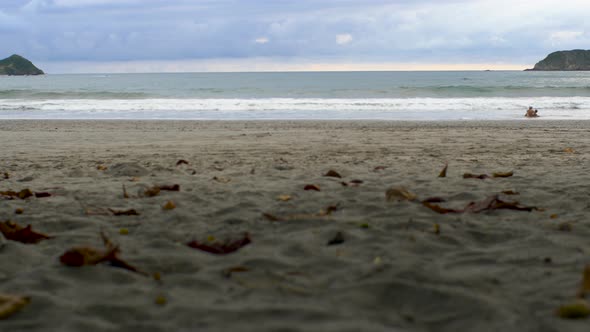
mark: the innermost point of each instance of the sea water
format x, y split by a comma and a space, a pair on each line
439, 96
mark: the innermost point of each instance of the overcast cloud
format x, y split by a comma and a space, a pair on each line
81, 34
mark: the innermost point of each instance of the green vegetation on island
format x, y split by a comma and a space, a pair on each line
565, 61
17, 65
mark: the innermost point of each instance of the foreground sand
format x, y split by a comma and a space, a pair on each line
494, 271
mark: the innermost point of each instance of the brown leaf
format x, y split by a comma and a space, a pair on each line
503, 174
151, 192
569, 150
129, 212
434, 200
311, 187
42, 194
585, 285
397, 194
333, 174
439, 209
473, 176
271, 217
443, 173
181, 162
14, 232
174, 187
101, 168
222, 248
125, 194
379, 168
10, 304
488, 204
169, 206
23, 194
510, 192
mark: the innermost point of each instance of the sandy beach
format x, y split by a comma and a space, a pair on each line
343, 258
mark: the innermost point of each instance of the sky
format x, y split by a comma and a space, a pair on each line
73, 36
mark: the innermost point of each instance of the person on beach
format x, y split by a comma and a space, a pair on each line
531, 113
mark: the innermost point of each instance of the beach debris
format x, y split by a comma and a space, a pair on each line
10, 304
434, 200
474, 176
129, 212
101, 168
15, 232
222, 248
353, 183
569, 150
311, 187
236, 269
125, 194
337, 239
502, 174
19, 211
181, 162
169, 206
443, 173
23, 194
152, 192
578, 309
510, 192
171, 187
488, 204
161, 300
329, 210
221, 179
397, 194
585, 285
82, 256
42, 194
379, 168
284, 198
333, 174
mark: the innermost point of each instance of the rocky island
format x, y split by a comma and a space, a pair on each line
565, 61
17, 65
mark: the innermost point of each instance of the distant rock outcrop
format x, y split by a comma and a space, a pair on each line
565, 61
17, 65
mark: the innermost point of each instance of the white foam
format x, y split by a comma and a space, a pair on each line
297, 108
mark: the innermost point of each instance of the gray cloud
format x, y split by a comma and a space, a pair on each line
371, 30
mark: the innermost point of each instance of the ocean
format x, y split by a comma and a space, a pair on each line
439, 96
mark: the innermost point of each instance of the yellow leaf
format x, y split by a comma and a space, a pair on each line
124, 231
101, 167
576, 310
9, 304
169, 206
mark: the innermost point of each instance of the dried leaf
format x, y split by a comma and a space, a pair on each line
14, 232
151, 192
19, 211
10, 304
125, 194
181, 162
490, 203
271, 217
397, 194
328, 211
503, 174
338, 239
510, 192
23, 194
434, 200
82, 256
356, 183
222, 248
311, 187
333, 174
174, 187
585, 286
221, 179
101, 168
443, 173
576, 310
379, 168
284, 198
169, 206
42, 195
439, 209
130, 212
569, 150
473, 176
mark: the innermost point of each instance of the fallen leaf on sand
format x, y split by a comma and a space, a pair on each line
173, 187
125, 194
19, 211
221, 179
181, 162
585, 285
353, 183
14, 232
474, 176
130, 212
333, 174
488, 204
82, 256
151, 192
575, 310
434, 200
443, 173
311, 187
569, 150
42, 195
379, 168
169, 206
397, 194
328, 211
337, 239
10, 304
510, 192
284, 198
101, 167
222, 248
503, 174
23, 194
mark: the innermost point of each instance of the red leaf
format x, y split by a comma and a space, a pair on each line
222, 248
14, 232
